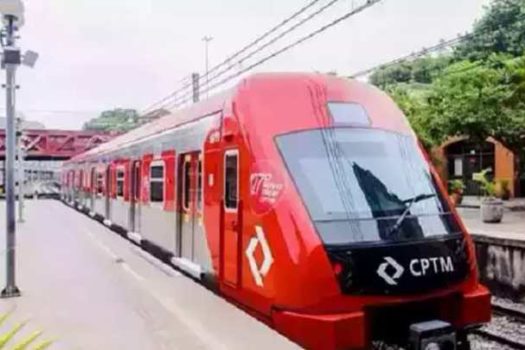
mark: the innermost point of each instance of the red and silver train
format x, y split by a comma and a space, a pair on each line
307, 200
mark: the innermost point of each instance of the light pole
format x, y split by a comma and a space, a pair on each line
207, 40
13, 18
10, 61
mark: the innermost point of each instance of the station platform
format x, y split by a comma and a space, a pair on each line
511, 228
87, 288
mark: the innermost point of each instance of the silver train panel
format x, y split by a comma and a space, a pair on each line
119, 212
134, 216
152, 222
186, 237
158, 226
201, 252
100, 205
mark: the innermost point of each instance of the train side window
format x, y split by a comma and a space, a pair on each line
187, 185
199, 186
120, 182
100, 183
156, 184
231, 184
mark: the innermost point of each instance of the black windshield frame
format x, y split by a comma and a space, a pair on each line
442, 220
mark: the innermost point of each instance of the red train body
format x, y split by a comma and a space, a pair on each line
303, 198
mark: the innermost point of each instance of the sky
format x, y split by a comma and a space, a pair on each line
97, 55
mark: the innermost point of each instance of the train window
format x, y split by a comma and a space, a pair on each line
366, 185
100, 183
199, 186
120, 182
156, 183
348, 113
186, 185
231, 185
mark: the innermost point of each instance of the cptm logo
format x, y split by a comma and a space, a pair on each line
398, 271
417, 268
258, 272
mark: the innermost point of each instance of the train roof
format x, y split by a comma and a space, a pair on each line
167, 122
216, 103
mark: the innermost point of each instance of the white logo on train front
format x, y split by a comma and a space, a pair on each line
418, 267
398, 271
259, 240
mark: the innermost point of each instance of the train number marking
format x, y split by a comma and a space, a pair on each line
259, 272
381, 271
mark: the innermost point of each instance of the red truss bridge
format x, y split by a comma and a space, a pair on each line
56, 144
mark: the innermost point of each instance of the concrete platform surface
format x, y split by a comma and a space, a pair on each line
514, 204
90, 289
512, 226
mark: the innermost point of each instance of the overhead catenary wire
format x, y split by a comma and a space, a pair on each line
238, 53
438, 47
284, 49
265, 35
277, 38
443, 44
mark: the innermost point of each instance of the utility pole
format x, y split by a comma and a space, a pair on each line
195, 78
21, 174
11, 60
207, 40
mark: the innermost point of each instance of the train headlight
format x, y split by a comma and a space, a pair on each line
432, 335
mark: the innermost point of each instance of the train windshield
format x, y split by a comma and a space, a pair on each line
366, 185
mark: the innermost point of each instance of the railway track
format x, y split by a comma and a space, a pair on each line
507, 327
503, 310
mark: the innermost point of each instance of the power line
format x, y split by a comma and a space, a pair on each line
265, 35
241, 51
440, 46
338, 20
277, 38
228, 61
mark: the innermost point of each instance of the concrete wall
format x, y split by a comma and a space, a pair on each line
501, 265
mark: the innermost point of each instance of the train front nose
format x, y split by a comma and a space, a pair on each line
396, 248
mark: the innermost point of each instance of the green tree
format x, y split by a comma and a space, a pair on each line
119, 120
398, 73
421, 70
500, 30
480, 100
426, 69
411, 98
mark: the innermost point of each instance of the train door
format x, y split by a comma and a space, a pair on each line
108, 191
188, 220
134, 214
231, 217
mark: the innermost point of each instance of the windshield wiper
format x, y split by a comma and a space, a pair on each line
403, 216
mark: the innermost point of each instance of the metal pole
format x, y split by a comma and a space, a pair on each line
207, 40
21, 175
10, 290
195, 78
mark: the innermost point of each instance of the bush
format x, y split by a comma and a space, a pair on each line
456, 186
488, 187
